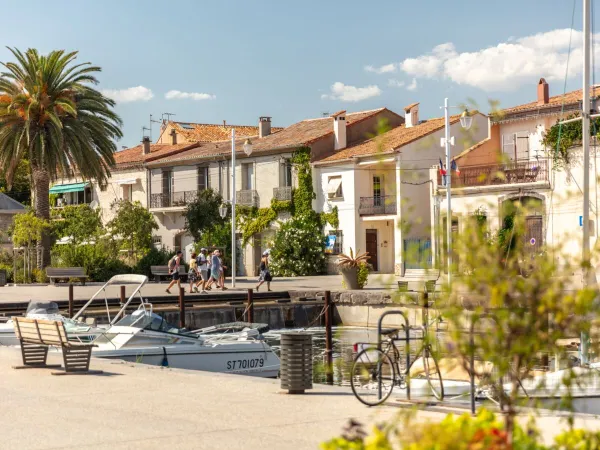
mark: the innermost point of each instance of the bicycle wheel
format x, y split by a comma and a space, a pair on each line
433, 374
373, 377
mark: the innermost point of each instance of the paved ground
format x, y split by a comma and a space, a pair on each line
60, 292
135, 406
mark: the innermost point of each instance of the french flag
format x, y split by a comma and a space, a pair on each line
442, 170
454, 166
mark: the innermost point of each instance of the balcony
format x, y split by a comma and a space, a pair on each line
379, 205
516, 172
248, 197
172, 199
282, 193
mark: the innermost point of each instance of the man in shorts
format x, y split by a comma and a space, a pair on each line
202, 261
174, 264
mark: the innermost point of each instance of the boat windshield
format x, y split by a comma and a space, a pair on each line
150, 321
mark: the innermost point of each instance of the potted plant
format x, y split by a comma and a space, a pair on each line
349, 267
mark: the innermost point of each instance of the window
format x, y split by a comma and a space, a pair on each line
337, 238
103, 185
248, 176
516, 145
167, 181
377, 189
157, 241
127, 192
202, 178
334, 187
287, 173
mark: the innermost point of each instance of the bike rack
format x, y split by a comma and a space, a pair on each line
407, 339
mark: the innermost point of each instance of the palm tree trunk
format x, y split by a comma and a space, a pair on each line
41, 204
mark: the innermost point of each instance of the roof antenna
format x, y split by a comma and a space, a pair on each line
325, 114
144, 129
168, 116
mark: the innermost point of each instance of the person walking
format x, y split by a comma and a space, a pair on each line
215, 268
174, 264
202, 263
264, 273
223, 268
193, 274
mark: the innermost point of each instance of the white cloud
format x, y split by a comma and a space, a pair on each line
345, 93
395, 83
173, 94
507, 65
132, 94
413, 85
387, 68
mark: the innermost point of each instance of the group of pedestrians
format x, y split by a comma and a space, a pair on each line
204, 272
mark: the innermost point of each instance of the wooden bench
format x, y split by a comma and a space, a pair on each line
163, 271
36, 335
55, 274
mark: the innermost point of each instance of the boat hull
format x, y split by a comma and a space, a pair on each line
256, 360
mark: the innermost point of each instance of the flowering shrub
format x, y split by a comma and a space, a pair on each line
298, 248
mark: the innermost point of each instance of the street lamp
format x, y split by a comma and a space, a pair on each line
248, 147
223, 210
466, 120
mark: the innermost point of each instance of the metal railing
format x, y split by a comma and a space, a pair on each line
382, 204
282, 193
172, 199
247, 197
514, 172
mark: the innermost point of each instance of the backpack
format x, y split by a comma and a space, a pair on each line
172, 264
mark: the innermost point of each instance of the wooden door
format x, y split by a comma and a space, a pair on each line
371, 238
534, 233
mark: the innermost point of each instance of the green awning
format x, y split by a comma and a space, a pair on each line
64, 188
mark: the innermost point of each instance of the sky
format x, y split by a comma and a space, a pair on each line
209, 61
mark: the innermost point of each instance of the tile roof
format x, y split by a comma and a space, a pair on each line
135, 154
204, 132
570, 98
9, 204
391, 140
296, 135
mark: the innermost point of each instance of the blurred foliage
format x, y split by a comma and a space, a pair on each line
133, 225
80, 222
202, 215
559, 139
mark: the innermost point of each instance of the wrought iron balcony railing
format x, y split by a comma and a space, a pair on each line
515, 172
381, 204
282, 193
247, 197
172, 199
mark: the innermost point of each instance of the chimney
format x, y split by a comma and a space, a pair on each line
224, 123
173, 137
146, 145
543, 92
339, 129
264, 126
411, 115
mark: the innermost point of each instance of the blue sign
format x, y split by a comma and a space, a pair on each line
580, 221
330, 243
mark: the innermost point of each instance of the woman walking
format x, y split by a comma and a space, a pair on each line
193, 273
265, 274
215, 269
173, 265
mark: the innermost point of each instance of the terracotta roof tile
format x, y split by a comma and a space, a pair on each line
393, 139
135, 154
203, 132
570, 98
296, 135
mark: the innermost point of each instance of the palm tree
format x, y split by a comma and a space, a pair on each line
51, 115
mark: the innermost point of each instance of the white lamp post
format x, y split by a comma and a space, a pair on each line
248, 151
466, 120
223, 211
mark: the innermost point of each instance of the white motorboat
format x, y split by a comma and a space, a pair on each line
145, 337
49, 311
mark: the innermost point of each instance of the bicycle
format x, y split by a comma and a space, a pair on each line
376, 369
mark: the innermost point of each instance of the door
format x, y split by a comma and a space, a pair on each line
377, 200
167, 188
533, 233
371, 238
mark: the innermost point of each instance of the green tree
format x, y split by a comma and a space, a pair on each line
80, 222
50, 115
202, 215
133, 224
28, 229
20, 189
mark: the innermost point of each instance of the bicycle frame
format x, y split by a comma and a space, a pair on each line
406, 339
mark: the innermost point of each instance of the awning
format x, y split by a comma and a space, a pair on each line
64, 188
127, 181
333, 185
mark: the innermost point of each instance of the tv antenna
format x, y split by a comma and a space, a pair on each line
151, 122
168, 116
325, 114
144, 129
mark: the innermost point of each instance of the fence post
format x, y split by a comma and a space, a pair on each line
328, 338
250, 307
181, 308
70, 300
122, 296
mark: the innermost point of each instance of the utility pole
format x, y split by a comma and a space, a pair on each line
233, 207
448, 190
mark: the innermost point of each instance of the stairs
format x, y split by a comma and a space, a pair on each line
420, 274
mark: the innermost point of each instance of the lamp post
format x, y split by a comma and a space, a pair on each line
248, 151
465, 121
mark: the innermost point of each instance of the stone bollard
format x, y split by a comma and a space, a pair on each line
296, 362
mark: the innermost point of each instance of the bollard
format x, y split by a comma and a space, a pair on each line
123, 299
250, 307
181, 308
70, 300
296, 362
328, 338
